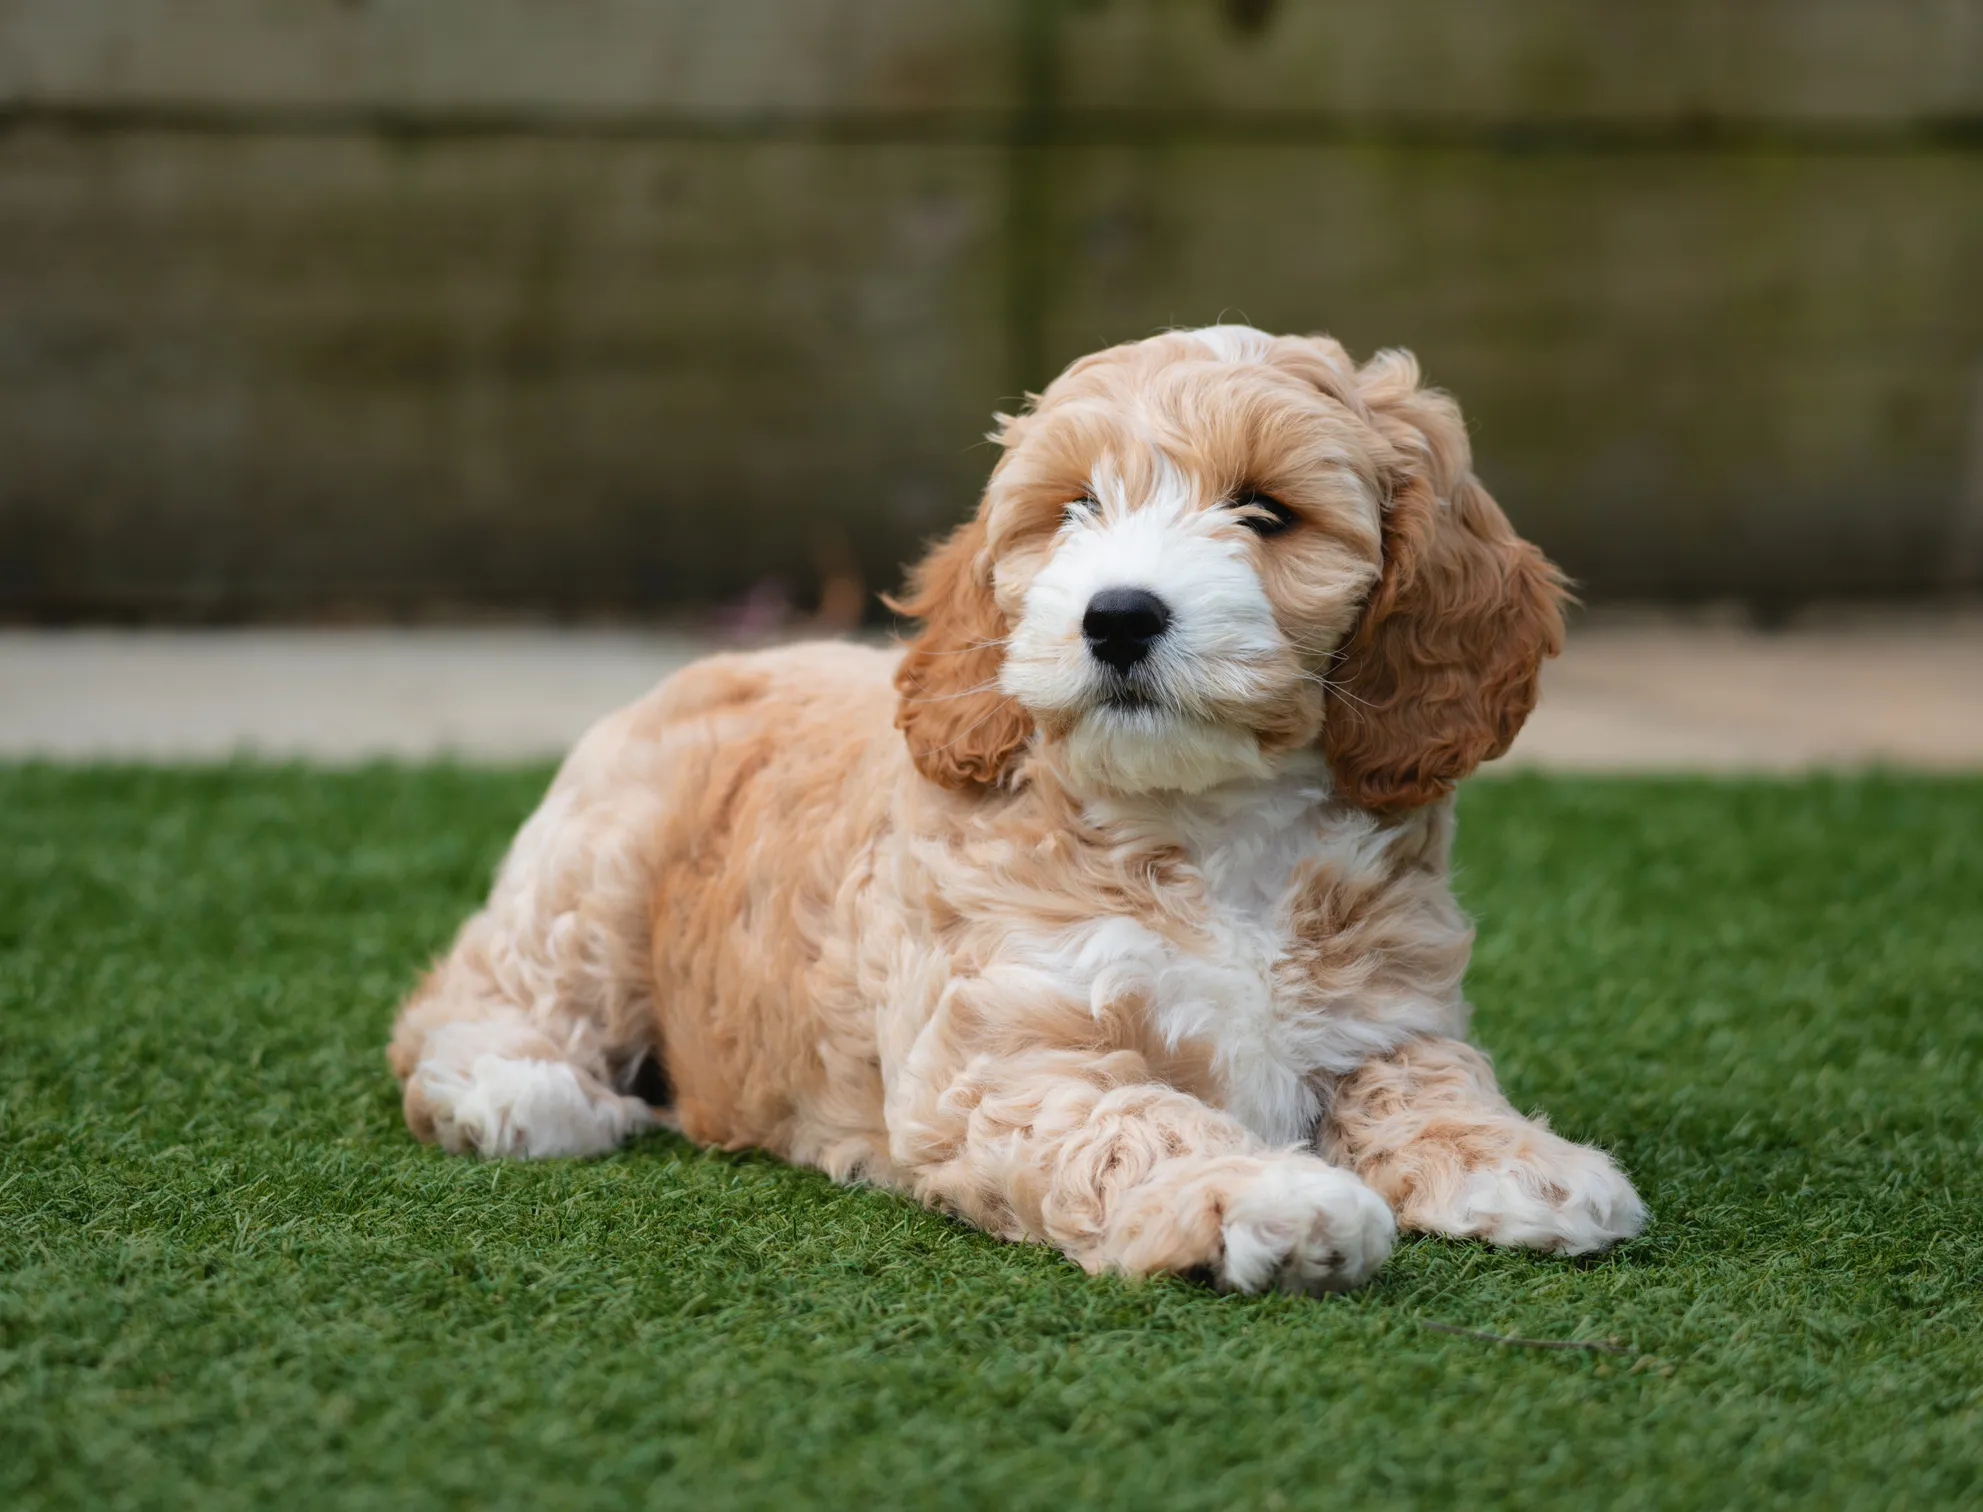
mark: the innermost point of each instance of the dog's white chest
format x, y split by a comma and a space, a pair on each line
1267, 1040
1268, 1036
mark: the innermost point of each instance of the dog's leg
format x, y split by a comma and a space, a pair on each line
480, 1077
1429, 1129
1126, 1174
527, 1039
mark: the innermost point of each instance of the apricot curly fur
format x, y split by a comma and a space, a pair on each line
1154, 959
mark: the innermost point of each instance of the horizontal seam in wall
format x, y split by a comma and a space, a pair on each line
1053, 128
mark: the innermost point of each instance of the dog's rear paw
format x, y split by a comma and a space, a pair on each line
508, 1106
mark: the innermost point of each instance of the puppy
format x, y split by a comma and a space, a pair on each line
1112, 914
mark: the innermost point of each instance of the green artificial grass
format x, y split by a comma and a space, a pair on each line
229, 1279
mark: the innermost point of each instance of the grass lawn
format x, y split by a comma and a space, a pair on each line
229, 1279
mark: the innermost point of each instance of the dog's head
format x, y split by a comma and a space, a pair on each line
1206, 550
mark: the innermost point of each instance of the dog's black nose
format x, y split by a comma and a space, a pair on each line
1122, 624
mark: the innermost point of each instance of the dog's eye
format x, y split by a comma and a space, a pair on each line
1261, 513
1083, 508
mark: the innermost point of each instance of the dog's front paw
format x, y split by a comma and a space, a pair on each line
1301, 1225
1568, 1199
1250, 1223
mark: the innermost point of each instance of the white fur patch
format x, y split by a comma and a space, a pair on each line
1142, 751
1252, 845
512, 1106
1506, 1203
1235, 343
1304, 1225
1216, 655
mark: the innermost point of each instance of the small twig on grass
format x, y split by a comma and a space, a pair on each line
1604, 1345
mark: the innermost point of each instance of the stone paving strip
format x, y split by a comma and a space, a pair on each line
1632, 693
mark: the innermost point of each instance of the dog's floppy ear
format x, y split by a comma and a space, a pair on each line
1441, 670
962, 731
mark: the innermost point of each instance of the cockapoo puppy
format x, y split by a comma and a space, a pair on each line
1114, 912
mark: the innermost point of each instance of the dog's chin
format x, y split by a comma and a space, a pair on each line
1134, 746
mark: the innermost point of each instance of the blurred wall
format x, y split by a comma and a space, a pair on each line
424, 306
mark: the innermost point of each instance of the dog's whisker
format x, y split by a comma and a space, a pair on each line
969, 650
1341, 690
990, 687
